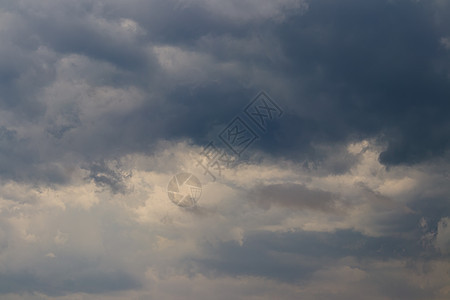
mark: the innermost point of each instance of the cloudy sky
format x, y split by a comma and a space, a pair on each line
343, 193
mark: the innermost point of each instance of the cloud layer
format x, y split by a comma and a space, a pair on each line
344, 196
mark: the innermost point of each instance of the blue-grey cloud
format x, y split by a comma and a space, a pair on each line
99, 101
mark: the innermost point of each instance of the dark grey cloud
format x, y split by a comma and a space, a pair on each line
368, 69
26, 282
21, 161
352, 71
295, 256
292, 196
106, 176
84, 84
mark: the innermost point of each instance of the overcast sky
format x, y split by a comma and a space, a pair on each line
341, 193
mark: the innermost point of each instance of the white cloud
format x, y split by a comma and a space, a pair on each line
145, 235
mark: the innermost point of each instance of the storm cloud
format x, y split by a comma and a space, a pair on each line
343, 195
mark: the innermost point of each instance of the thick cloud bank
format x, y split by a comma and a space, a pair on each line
342, 194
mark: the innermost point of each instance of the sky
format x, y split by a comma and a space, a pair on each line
318, 130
